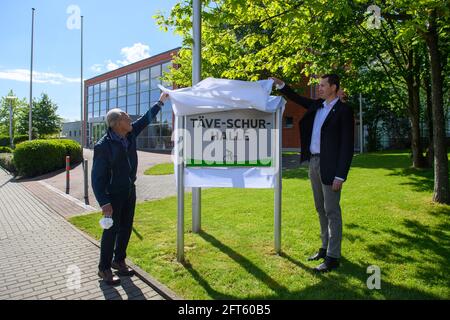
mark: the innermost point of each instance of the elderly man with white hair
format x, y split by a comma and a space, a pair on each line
113, 176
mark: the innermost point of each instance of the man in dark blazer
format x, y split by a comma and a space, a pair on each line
327, 135
113, 176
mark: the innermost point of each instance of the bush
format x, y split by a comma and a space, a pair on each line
32, 158
20, 138
6, 161
4, 141
5, 149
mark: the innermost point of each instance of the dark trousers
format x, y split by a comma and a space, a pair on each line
115, 239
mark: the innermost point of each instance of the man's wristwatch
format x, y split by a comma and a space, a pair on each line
160, 103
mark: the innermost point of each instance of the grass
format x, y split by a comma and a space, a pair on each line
160, 169
389, 221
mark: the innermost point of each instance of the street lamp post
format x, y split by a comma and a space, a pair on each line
11, 140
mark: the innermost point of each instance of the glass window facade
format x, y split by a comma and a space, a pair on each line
135, 93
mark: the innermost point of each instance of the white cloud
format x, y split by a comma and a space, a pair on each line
111, 65
97, 67
38, 77
136, 52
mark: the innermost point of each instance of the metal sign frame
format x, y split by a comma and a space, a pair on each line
196, 200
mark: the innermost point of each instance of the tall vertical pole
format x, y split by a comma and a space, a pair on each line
81, 92
11, 139
196, 77
30, 126
179, 156
361, 128
83, 122
278, 181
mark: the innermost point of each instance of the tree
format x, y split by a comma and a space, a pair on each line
45, 118
4, 113
250, 40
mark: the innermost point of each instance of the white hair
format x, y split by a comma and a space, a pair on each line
113, 116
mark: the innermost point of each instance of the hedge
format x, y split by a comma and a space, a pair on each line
5, 149
4, 139
36, 157
6, 161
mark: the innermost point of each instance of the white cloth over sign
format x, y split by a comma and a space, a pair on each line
214, 95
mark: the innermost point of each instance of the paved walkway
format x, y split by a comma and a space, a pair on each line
147, 187
42, 253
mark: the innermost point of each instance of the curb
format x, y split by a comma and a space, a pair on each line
141, 274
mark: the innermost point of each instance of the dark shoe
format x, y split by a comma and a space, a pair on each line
328, 265
108, 277
319, 255
122, 269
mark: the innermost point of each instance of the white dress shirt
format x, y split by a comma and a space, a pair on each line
321, 115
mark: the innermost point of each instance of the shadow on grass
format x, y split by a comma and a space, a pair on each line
431, 243
333, 285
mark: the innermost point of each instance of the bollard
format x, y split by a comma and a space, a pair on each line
67, 174
86, 194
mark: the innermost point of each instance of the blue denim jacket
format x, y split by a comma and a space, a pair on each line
114, 168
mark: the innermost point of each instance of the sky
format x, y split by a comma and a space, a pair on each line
115, 34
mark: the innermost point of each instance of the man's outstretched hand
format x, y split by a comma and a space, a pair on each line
164, 96
277, 81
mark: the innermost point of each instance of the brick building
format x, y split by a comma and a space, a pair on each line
134, 88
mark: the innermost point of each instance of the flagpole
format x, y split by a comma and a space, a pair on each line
31, 78
81, 93
196, 77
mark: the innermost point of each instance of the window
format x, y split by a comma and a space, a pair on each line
155, 71
122, 91
112, 103
144, 97
131, 99
288, 122
155, 82
122, 102
145, 85
131, 88
144, 74
131, 78
113, 83
90, 90
97, 88
154, 95
131, 110
103, 86
122, 81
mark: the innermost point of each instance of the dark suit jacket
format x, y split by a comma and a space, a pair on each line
336, 138
114, 168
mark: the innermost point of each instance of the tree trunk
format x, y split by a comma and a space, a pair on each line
429, 119
414, 111
441, 186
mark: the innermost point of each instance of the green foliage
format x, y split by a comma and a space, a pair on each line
36, 157
20, 138
7, 163
5, 149
4, 141
45, 118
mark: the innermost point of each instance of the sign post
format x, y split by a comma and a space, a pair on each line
238, 148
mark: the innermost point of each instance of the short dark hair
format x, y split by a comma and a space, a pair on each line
332, 79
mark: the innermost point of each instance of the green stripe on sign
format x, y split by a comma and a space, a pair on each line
247, 163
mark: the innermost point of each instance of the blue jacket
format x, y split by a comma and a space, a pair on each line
114, 168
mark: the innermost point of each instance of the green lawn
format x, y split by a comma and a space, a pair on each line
389, 221
160, 169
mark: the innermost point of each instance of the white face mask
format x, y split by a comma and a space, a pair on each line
106, 222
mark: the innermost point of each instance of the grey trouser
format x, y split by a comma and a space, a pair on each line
327, 205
